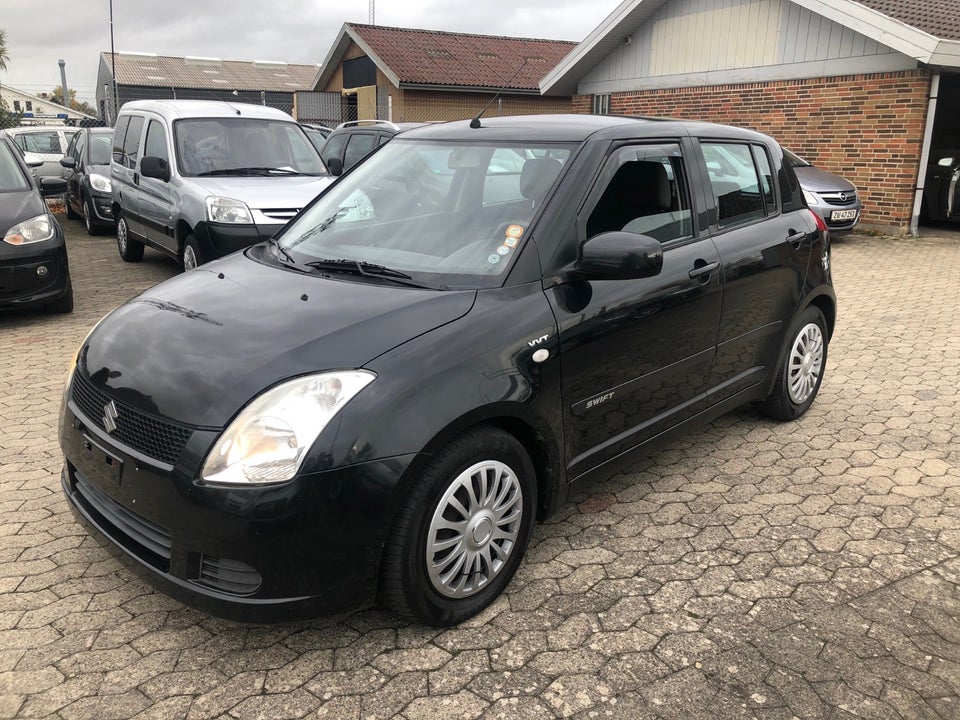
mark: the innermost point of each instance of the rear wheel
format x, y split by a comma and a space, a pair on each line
800, 373
130, 250
461, 531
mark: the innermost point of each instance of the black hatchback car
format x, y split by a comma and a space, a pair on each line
383, 399
89, 189
33, 255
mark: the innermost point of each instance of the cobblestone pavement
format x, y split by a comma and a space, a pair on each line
759, 570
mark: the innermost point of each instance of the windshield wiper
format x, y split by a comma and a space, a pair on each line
365, 269
264, 171
282, 251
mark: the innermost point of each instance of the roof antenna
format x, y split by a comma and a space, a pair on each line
475, 122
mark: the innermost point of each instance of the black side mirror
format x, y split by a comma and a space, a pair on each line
155, 167
50, 186
68, 162
335, 166
620, 256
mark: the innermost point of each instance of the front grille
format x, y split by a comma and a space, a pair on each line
149, 536
281, 214
229, 576
158, 439
834, 198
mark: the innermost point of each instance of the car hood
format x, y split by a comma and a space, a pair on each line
267, 192
15, 207
817, 180
197, 348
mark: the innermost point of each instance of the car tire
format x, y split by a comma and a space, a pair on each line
63, 304
130, 250
800, 371
71, 213
190, 257
88, 218
431, 527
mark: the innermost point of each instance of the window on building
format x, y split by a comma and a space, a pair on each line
601, 104
29, 106
16, 106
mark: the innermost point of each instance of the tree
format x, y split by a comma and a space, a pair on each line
4, 58
56, 95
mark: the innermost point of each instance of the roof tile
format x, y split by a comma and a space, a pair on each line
185, 72
940, 18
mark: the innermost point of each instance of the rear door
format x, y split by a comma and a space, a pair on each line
765, 247
156, 196
637, 354
124, 169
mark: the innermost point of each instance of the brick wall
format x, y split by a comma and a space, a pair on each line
868, 128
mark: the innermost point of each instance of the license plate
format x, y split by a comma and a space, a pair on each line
843, 215
102, 462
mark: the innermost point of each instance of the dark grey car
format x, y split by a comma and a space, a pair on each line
832, 197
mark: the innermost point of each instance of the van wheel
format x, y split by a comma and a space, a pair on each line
63, 304
800, 372
461, 530
130, 249
191, 256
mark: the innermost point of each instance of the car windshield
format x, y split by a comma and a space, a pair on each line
444, 214
101, 145
794, 160
244, 146
11, 176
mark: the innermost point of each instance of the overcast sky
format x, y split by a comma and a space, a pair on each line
295, 31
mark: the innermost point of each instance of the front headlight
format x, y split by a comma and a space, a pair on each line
227, 210
810, 198
100, 183
269, 439
29, 231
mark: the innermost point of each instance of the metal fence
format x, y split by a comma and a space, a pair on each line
14, 120
126, 93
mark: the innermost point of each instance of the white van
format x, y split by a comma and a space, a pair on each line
198, 179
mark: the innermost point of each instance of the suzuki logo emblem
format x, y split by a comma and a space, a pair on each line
110, 416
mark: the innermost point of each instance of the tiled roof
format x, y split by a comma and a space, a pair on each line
940, 18
186, 72
426, 57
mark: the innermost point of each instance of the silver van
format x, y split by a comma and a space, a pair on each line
198, 180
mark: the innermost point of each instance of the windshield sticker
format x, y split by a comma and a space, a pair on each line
503, 250
510, 242
493, 259
515, 231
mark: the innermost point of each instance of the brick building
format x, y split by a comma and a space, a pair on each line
407, 75
864, 89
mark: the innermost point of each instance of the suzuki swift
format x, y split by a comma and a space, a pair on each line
379, 403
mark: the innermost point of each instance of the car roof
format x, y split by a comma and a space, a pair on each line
180, 109
34, 129
576, 128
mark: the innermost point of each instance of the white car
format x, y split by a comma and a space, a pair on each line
47, 142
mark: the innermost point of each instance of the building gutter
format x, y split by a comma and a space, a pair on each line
925, 154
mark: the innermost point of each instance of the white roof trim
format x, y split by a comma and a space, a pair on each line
622, 22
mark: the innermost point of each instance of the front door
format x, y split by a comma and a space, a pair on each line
637, 354
156, 197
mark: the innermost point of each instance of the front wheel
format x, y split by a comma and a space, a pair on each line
801, 368
130, 249
191, 257
461, 531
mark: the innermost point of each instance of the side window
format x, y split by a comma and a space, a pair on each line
119, 132
766, 177
72, 147
736, 186
334, 147
358, 147
78, 147
156, 143
789, 187
646, 193
131, 143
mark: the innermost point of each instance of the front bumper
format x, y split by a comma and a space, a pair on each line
219, 239
32, 279
826, 211
262, 554
102, 209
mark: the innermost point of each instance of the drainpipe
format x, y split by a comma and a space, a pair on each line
925, 154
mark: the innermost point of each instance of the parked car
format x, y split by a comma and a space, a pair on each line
832, 197
380, 401
89, 192
318, 134
941, 201
352, 141
198, 180
47, 142
33, 255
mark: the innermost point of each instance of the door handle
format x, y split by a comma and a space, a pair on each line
702, 270
795, 238
136, 178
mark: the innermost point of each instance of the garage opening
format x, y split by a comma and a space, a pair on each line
940, 207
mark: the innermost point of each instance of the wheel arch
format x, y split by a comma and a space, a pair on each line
181, 231
828, 306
